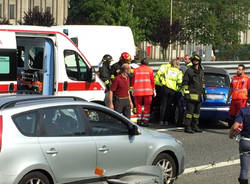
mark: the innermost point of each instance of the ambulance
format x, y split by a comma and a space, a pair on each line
97, 40
42, 60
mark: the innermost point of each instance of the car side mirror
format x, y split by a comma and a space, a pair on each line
133, 130
92, 75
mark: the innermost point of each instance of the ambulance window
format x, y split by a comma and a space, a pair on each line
71, 64
4, 64
7, 65
36, 57
83, 69
76, 68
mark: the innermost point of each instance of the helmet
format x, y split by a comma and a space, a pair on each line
125, 57
107, 58
196, 57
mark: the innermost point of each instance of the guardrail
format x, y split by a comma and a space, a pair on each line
230, 66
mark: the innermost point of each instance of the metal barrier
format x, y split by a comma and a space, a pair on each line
230, 66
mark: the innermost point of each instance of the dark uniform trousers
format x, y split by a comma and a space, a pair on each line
192, 113
122, 105
168, 97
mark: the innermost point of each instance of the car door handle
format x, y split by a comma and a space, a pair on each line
51, 151
103, 149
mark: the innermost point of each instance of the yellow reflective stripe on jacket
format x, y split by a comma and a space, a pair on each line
189, 64
189, 116
185, 89
106, 82
194, 97
196, 116
112, 76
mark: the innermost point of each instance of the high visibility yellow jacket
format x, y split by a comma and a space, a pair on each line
189, 64
170, 77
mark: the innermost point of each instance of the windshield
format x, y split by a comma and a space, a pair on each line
216, 80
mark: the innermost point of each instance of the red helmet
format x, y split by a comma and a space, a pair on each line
125, 57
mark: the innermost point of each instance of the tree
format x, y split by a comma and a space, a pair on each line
110, 12
37, 18
165, 34
201, 21
218, 24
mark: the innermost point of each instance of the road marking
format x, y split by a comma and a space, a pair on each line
211, 166
165, 129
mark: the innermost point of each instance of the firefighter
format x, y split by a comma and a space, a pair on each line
105, 75
171, 79
116, 68
239, 91
194, 90
143, 90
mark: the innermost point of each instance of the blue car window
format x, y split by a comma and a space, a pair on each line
216, 80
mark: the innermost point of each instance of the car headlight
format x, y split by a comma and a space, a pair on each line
215, 96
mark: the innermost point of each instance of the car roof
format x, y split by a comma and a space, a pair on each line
7, 101
215, 70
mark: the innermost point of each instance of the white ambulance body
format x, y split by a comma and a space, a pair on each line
97, 40
42, 60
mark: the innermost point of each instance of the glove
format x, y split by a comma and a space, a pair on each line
204, 97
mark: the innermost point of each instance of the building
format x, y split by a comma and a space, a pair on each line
13, 10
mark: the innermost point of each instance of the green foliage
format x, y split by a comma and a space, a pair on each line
234, 53
109, 12
37, 18
202, 21
217, 23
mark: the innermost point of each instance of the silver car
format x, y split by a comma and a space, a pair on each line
48, 139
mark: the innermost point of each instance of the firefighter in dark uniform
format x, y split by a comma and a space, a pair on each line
194, 90
105, 75
116, 68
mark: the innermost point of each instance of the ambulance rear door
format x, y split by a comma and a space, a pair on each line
8, 62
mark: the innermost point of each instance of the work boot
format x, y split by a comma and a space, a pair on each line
189, 130
195, 126
243, 181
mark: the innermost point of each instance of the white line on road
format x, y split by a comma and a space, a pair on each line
211, 166
202, 167
165, 129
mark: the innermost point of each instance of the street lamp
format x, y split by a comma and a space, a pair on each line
171, 21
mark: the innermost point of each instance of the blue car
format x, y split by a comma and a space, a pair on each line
217, 86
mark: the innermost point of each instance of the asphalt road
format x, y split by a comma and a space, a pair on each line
210, 157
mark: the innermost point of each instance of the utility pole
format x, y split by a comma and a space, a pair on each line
171, 22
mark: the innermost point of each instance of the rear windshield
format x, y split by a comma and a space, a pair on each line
216, 80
